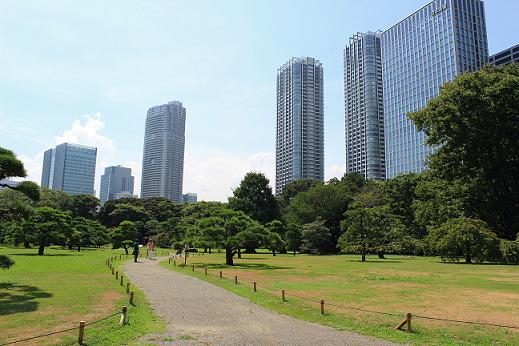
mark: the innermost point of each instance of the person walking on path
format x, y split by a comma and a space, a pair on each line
151, 247
135, 250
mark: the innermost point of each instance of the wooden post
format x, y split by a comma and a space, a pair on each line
236, 279
169, 260
127, 287
122, 321
282, 295
220, 274
205, 271
81, 337
322, 307
116, 275
255, 286
408, 318
113, 270
120, 257
193, 267
174, 263
122, 279
131, 298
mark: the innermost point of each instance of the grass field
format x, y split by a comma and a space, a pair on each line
421, 286
42, 294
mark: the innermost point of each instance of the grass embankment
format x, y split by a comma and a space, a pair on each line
42, 294
419, 285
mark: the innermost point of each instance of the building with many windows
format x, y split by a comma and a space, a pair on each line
69, 168
116, 181
300, 122
363, 106
419, 54
163, 157
506, 56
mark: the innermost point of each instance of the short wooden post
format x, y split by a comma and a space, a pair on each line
236, 279
127, 287
193, 267
322, 307
81, 336
408, 318
205, 271
116, 275
220, 274
255, 286
282, 295
122, 279
113, 270
174, 263
120, 257
131, 298
122, 321
169, 260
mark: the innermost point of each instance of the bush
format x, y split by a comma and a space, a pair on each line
316, 238
5, 262
510, 251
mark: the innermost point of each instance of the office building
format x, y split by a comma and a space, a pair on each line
505, 57
419, 54
363, 106
163, 157
69, 168
300, 122
189, 197
116, 181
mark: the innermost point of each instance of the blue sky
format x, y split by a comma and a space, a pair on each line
87, 71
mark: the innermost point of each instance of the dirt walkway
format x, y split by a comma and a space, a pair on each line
197, 312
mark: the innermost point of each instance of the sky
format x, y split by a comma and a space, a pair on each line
87, 71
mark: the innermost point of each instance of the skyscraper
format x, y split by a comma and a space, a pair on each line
363, 105
163, 157
116, 181
69, 168
506, 56
300, 122
419, 54
190, 197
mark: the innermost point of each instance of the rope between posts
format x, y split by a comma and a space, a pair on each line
382, 312
59, 331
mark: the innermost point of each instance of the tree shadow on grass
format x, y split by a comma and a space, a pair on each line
251, 266
376, 261
16, 298
44, 255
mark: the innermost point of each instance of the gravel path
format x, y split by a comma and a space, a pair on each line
197, 312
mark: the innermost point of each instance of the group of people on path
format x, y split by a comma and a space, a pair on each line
150, 249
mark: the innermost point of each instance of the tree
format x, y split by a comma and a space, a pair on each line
86, 232
293, 237
276, 226
84, 205
509, 251
47, 226
124, 235
475, 121
254, 197
10, 166
6, 262
464, 237
128, 212
292, 189
55, 199
30, 189
315, 238
275, 243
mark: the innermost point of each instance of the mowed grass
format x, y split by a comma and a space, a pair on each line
43, 294
419, 285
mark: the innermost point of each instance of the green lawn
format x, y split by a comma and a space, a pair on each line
419, 285
42, 294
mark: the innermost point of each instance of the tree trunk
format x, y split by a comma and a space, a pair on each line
41, 248
294, 252
205, 250
78, 248
26, 244
381, 254
468, 258
239, 253
228, 256
209, 250
273, 252
126, 250
363, 253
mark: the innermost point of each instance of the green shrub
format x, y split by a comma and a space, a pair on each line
510, 251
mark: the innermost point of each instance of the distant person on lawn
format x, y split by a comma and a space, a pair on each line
135, 250
150, 248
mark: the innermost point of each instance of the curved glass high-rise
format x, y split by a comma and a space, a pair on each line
300, 122
363, 106
163, 157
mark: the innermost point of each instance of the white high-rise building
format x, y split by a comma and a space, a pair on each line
163, 157
300, 122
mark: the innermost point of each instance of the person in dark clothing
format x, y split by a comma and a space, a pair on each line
135, 250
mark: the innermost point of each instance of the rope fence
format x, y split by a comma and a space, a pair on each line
406, 322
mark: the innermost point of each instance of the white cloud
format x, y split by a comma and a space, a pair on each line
334, 171
213, 175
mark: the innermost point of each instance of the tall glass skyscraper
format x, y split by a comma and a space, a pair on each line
363, 106
300, 122
419, 54
163, 157
69, 168
116, 181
